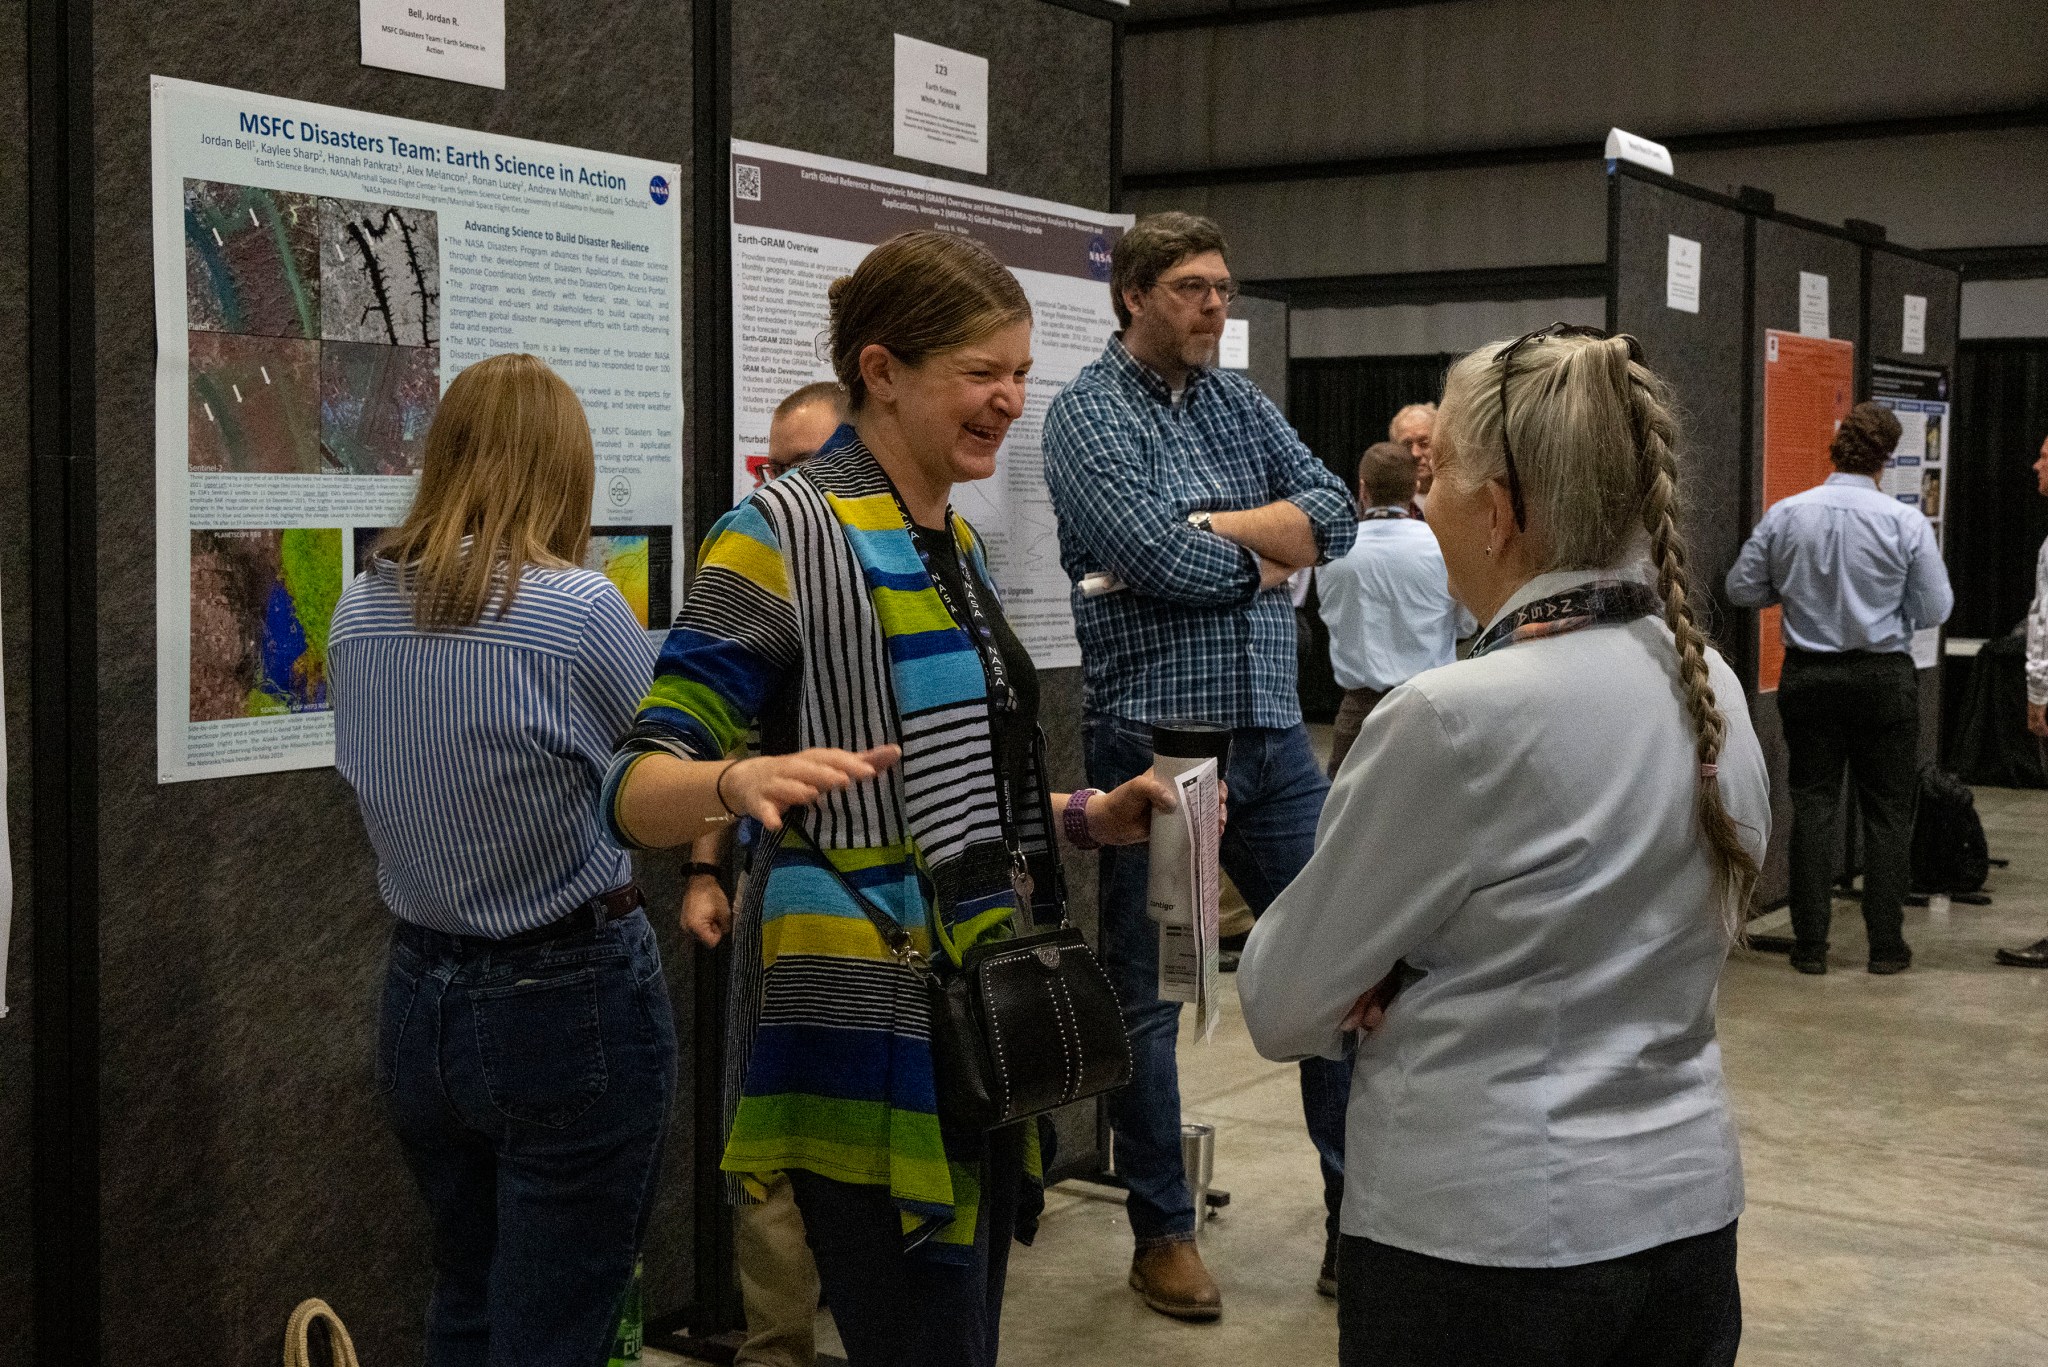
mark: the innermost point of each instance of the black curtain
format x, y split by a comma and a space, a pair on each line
1341, 405
1996, 520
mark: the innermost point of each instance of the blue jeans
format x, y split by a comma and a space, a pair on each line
530, 1090
1276, 796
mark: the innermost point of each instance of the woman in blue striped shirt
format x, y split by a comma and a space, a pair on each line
526, 1049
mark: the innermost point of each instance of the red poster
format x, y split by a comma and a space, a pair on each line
1809, 386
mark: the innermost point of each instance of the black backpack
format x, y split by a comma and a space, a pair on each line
1949, 853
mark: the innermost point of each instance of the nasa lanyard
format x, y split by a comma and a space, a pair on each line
1002, 694
1598, 603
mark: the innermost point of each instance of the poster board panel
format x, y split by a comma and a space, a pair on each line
1700, 352
241, 940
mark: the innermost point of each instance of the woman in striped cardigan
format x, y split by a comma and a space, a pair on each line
846, 613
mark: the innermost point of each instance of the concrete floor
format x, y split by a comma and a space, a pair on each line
1895, 1136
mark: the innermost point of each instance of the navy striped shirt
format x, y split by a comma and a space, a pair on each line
477, 754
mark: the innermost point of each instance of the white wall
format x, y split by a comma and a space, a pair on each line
2002, 308
1477, 74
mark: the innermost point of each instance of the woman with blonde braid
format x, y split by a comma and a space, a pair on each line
1543, 1167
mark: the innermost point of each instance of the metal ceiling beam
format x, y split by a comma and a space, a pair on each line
1407, 163
1998, 263
1238, 16
1572, 281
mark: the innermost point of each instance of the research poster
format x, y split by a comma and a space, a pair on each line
1809, 387
322, 274
1917, 473
800, 221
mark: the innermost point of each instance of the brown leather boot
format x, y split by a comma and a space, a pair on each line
1174, 1282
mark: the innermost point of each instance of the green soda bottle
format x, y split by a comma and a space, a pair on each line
626, 1345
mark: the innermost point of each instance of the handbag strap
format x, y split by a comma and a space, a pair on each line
893, 934
298, 1336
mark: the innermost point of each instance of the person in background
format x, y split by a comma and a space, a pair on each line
526, 1048
1543, 1167
1186, 483
803, 422
2035, 955
1386, 601
1857, 572
778, 1277
1413, 427
848, 612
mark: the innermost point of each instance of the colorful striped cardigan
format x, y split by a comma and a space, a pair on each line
812, 610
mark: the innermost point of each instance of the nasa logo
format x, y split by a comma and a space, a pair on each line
1098, 257
658, 188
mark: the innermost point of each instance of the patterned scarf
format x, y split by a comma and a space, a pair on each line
1598, 603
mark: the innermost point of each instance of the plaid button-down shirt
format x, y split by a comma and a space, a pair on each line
1191, 636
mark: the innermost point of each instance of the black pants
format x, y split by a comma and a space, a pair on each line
1676, 1305
897, 1309
1351, 714
1861, 712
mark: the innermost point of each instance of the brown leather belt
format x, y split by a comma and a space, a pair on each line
595, 914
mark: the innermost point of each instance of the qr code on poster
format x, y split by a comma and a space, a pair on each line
746, 181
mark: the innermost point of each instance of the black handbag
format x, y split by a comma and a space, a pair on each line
1020, 1027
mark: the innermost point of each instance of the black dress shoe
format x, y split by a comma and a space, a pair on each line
1814, 961
2034, 955
1891, 964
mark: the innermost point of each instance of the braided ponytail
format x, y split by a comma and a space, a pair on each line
1595, 441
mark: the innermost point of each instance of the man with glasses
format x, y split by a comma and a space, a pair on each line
801, 425
1183, 486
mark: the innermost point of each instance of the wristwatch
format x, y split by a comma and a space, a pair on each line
697, 868
1201, 522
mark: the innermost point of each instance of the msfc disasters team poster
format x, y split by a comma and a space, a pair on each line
800, 221
321, 275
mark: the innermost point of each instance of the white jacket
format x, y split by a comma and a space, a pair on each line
1520, 829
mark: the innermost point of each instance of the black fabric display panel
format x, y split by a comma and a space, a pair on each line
818, 76
1996, 519
1782, 251
1893, 276
18, 1266
1702, 356
1342, 404
245, 1164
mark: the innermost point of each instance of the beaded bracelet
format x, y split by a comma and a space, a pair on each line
1074, 820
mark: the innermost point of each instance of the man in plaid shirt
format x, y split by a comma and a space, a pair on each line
1186, 484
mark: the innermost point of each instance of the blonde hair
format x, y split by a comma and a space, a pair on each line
918, 294
1595, 443
505, 483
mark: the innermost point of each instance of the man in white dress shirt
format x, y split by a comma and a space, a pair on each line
1386, 601
1857, 572
2035, 955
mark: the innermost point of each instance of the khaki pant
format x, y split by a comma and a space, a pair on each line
778, 1282
1351, 714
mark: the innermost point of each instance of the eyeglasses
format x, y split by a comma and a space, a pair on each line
1194, 290
1506, 356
